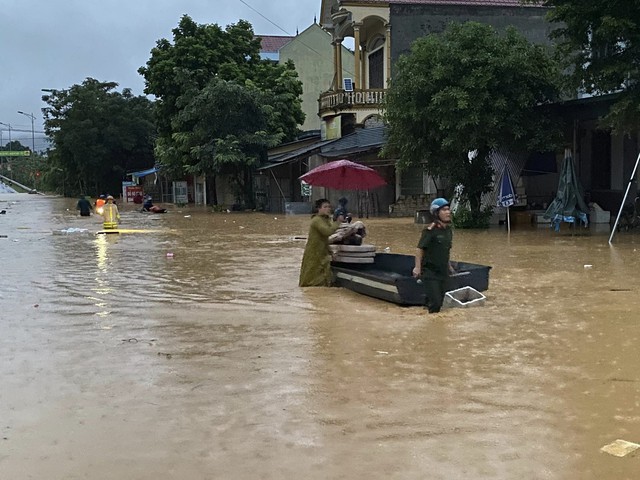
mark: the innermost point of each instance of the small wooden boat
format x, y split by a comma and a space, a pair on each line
390, 278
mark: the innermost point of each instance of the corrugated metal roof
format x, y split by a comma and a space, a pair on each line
361, 140
283, 158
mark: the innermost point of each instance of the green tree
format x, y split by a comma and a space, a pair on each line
225, 128
600, 43
25, 170
98, 135
468, 89
201, 129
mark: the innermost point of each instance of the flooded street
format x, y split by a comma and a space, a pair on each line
120, 362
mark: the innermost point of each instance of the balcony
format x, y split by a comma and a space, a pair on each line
336, 102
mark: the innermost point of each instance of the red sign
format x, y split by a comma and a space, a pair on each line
132, 191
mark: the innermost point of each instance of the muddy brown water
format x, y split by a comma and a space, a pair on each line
117, 361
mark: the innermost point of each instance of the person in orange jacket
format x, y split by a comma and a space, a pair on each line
100, 204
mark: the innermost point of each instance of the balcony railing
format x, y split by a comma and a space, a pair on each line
341, 100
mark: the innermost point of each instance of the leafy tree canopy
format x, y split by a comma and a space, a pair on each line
600, 42
468, 89
219, 105
98, 135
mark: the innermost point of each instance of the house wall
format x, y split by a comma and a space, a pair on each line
541, 189
409, 22
312, 53
617, 167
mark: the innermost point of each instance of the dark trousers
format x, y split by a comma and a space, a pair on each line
85, 214
435, 290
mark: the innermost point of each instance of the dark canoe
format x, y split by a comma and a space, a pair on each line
389, 278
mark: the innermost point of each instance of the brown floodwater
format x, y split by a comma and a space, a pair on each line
120, 362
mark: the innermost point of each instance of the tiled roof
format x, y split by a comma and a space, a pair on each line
491, 3
273, 43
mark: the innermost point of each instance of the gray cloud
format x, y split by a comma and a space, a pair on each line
59, 43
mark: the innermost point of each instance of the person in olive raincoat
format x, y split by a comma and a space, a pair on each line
316, 261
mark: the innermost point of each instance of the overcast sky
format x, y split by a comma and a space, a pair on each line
59, 43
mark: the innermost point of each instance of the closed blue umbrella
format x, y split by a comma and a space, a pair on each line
507, 194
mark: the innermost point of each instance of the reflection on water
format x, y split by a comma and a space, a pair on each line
116, 357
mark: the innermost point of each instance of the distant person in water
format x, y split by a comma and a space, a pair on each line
148, 206
110, 215
84, 206
100, 204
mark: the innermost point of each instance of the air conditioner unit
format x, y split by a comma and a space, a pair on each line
347, 84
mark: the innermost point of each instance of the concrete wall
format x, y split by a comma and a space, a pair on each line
409, 22
312, 53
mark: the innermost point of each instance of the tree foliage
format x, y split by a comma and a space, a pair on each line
25, 170
468, 89
98, 135
600, 43
219, 105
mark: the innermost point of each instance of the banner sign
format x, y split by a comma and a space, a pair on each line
15, 153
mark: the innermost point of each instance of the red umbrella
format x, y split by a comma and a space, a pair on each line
344, 175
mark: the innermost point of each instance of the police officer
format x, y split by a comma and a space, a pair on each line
432, 254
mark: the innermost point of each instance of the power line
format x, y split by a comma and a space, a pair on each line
278, 26
267, 19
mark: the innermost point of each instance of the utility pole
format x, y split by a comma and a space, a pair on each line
8, 125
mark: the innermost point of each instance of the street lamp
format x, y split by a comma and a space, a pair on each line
33, 132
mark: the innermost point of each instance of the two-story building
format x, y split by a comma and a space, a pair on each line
380, 31
377, 33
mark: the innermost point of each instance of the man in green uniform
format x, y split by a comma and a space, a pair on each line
432, 254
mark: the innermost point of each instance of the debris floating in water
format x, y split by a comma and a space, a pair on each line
73, 230
620, 448
588, 266
169, 255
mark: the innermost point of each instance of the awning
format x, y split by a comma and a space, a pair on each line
144, 173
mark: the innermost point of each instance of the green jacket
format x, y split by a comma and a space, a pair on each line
436, 247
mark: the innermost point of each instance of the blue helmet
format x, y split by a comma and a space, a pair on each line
437, 204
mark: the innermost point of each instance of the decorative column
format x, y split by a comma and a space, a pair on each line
336, 85
363, 66
388, 46
356, 35
339, 61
